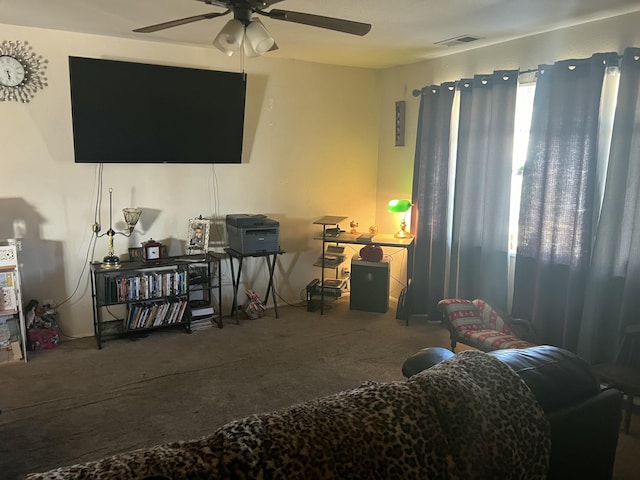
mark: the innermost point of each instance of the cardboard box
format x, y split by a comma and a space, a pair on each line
43, 338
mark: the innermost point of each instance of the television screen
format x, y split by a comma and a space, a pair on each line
126, 112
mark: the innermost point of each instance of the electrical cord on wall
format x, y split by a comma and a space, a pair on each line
98, 203
214, 196
90, 248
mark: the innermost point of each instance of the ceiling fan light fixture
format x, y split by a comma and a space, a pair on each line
229, 40
257, 40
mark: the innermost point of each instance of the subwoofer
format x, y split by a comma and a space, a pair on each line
369, 286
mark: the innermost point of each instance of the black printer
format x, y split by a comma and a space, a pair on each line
249, 234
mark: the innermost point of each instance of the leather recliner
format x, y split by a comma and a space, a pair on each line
584, 418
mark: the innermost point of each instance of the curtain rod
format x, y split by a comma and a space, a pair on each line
417, 92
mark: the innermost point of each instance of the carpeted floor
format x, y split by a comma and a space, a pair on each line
77, 403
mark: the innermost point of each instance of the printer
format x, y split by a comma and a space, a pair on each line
250, 234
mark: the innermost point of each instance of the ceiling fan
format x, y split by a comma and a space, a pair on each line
244, 29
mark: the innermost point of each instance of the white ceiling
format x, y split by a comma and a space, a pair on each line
404, 31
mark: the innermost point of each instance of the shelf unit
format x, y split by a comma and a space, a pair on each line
205, 289
13, 331
152, 296
320, 289
336, 236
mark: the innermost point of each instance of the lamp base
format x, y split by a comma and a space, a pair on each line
403, 234
403, 230
111, 261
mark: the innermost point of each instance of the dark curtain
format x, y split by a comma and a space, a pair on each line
429, 214
479, 246
556, 212
613, 288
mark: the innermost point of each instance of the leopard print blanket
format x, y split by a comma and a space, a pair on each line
469, 417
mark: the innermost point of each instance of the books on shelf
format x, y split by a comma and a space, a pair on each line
5, 336
332, 257
146, 286
10, 348
8, 297
366, 237
6, 279
202, 323
8, 300
201, 308
152, 296
155, 314
202, 311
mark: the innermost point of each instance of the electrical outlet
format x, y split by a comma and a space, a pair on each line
345, 272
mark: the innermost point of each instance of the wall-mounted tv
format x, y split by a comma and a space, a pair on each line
125, 112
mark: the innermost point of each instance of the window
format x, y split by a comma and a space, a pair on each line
524, 109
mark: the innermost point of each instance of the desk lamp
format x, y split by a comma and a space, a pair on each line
131, 217
401, 206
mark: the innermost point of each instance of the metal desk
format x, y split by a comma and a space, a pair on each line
382, 240
235, 277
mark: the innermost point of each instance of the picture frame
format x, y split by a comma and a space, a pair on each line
198, 235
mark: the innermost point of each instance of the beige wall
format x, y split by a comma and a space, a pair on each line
310, 150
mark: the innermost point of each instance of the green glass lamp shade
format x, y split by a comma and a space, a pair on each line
399, 206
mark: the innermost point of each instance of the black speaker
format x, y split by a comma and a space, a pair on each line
369, 286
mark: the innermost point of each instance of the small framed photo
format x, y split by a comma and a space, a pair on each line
198, 235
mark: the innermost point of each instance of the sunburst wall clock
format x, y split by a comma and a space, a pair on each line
21, 71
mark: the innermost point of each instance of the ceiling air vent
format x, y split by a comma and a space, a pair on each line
461, 40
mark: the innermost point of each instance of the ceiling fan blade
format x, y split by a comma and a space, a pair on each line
338, 24
252, 4
218, 3
180, 21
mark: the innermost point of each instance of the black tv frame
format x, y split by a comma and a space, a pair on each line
129, 112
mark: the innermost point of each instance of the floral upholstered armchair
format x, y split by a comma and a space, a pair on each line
477, 324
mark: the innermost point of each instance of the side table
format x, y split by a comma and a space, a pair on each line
235, 277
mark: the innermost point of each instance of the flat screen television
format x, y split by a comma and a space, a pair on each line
125, 112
